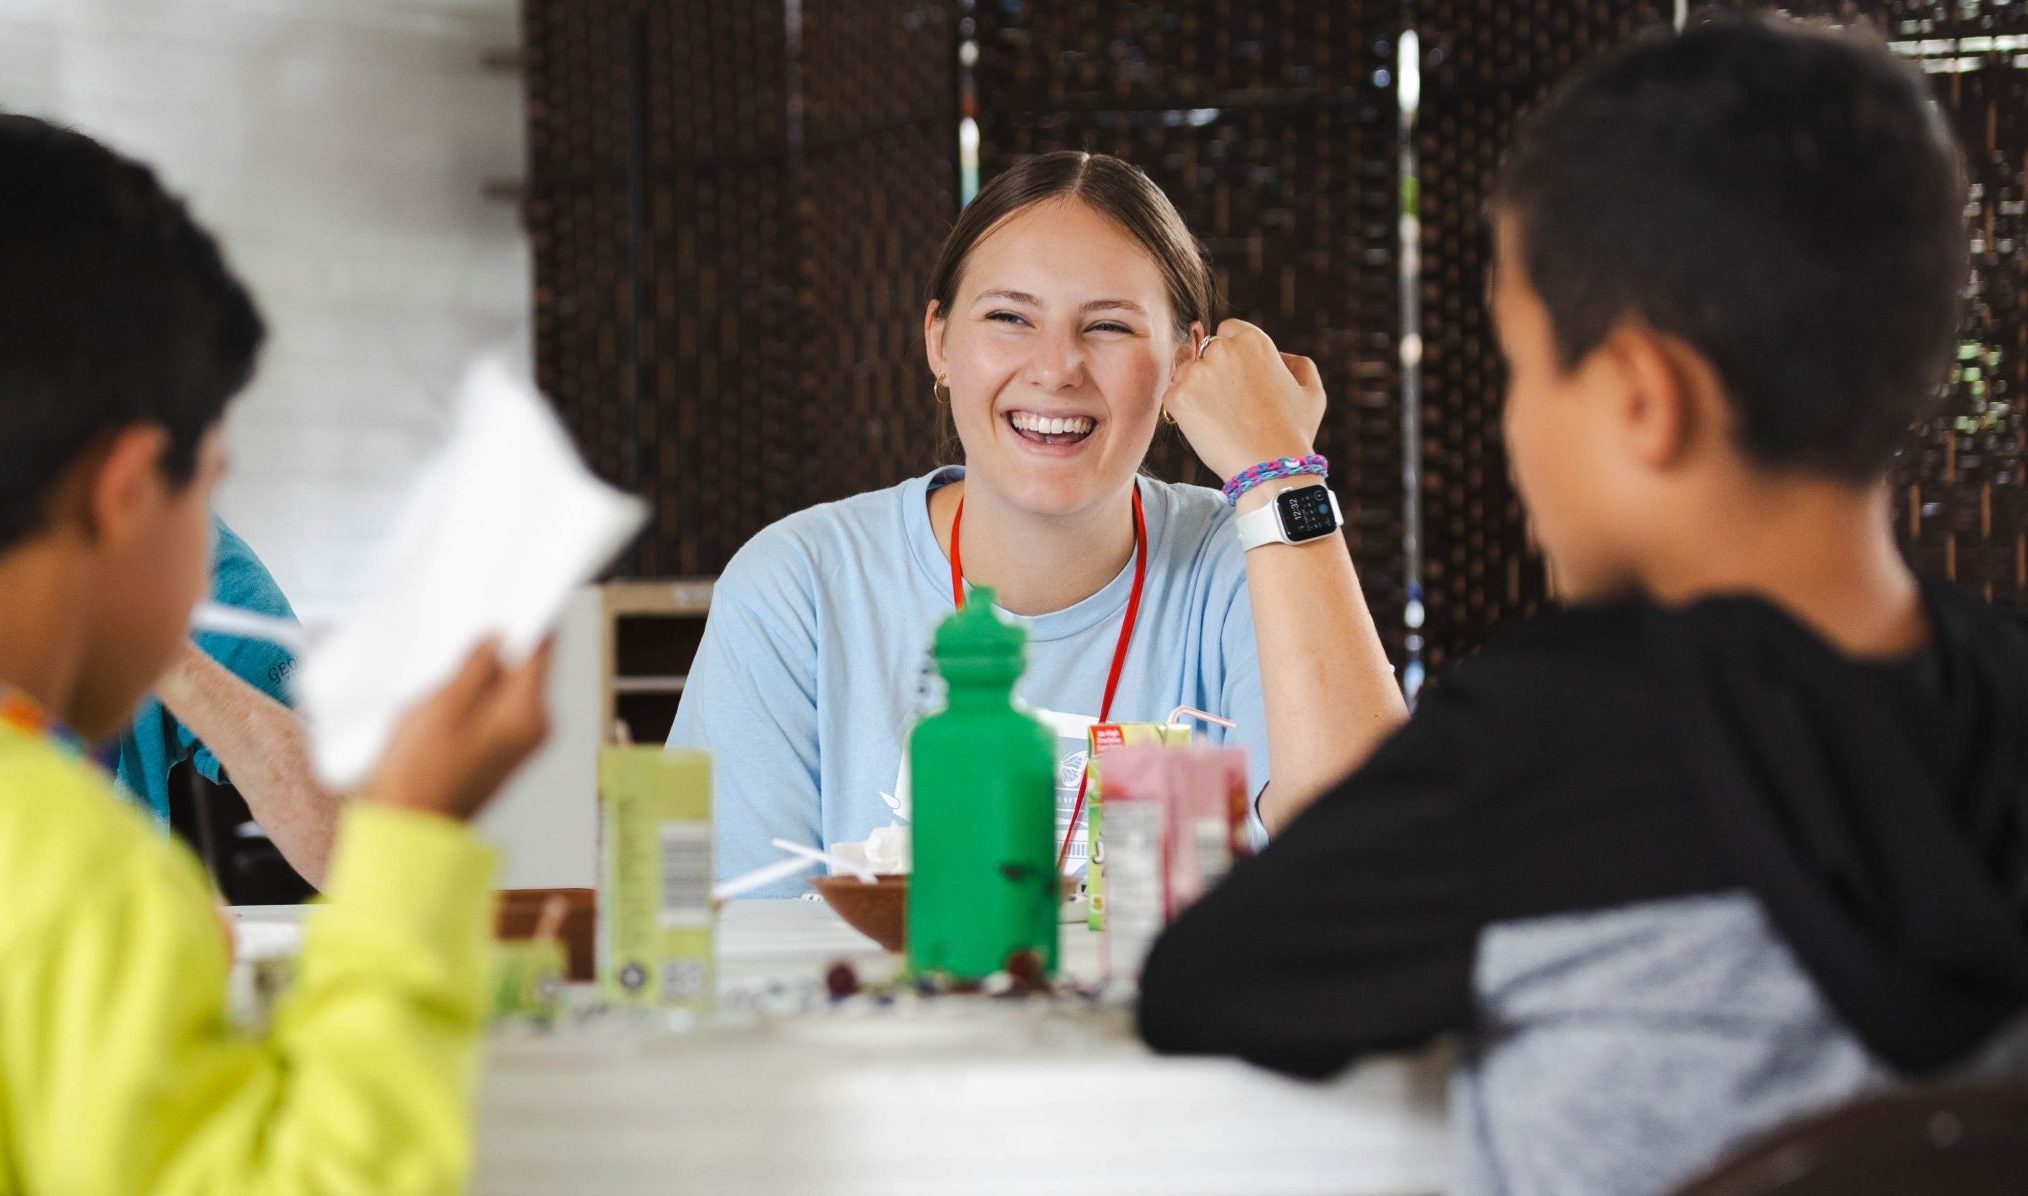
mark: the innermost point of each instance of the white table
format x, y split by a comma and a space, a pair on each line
955, 1096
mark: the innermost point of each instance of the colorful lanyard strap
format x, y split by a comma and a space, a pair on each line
19, 711
1119, 650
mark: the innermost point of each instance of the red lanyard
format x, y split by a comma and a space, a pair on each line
1119, 649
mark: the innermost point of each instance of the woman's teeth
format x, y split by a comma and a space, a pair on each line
1069, 427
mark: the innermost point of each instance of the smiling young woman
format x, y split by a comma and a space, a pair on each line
1066, 312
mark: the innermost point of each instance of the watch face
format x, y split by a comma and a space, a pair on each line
1307, 513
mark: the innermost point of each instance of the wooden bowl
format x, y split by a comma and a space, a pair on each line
878, 910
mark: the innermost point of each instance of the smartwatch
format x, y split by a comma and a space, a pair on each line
1296, 515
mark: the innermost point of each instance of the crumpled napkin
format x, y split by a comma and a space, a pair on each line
887, 851
503, 525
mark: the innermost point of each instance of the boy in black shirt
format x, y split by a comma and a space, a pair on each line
1743, 832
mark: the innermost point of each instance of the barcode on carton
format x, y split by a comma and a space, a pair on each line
1134, 891
686, 873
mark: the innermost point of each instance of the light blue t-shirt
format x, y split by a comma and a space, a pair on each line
815, 661
157, 742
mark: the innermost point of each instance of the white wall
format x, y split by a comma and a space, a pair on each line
338, 148
546, 821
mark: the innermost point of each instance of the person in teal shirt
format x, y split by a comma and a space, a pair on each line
223, 706
157, 742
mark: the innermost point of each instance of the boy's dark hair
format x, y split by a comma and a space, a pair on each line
1784, 198
115, 310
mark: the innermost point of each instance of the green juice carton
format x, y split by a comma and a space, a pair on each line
1104, 737
529, 976
655, 909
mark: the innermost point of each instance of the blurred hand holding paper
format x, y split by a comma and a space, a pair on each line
504, 523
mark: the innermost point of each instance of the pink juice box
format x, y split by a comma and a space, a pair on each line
1135, 852
1175, 819
1207, 824
1103, 738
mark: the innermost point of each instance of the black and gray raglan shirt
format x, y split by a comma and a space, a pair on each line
1671, 877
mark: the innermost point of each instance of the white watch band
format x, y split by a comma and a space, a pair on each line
1263, 524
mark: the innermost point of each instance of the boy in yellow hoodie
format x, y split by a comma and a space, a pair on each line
122, 337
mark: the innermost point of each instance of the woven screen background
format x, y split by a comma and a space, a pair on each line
733, 212
1485, 62
879, 191
730, 216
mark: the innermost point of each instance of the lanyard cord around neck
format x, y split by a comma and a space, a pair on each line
19, 711
1119, 650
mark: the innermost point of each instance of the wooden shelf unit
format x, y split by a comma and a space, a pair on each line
652, 629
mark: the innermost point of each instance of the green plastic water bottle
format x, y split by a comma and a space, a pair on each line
982, 775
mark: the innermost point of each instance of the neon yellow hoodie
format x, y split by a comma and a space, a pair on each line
120, 1071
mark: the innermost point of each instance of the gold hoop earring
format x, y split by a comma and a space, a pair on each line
940, 392
1168, 418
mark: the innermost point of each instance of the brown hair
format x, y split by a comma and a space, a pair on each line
1110, 187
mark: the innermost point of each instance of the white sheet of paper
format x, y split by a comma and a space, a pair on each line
504, 523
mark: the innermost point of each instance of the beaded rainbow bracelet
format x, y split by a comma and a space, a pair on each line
1281, 467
